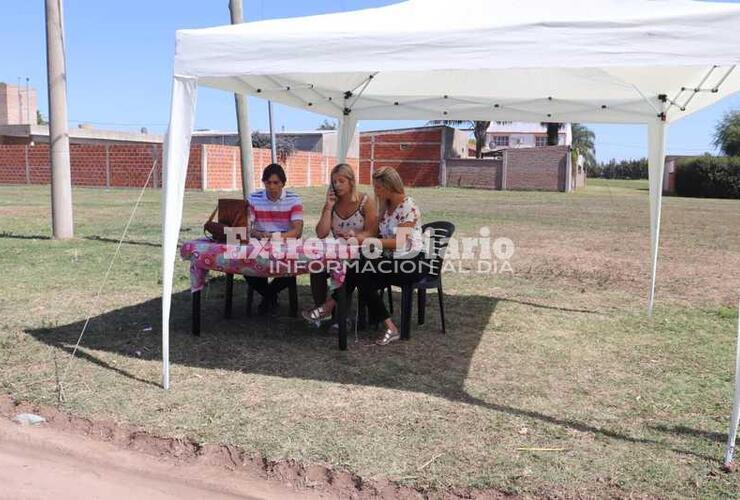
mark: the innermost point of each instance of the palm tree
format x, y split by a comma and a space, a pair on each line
553, 132
327, 125
583, 142
479, 131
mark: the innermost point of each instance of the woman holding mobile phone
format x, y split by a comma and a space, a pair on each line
346, 214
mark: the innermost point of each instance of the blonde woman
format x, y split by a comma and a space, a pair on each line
346, 214
399, 224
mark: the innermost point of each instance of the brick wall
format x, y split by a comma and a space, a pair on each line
302, 168
539, 169
534, 169
13, 166
122, 165
474, 173
90, 165
415, 153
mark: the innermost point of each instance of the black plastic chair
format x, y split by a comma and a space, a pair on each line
441, 232
292, 297
362, 308
229, 292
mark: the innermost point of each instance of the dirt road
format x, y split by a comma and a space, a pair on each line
41, 463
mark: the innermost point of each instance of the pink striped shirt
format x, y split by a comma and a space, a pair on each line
270, 216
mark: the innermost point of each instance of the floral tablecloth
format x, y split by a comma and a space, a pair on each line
267, 259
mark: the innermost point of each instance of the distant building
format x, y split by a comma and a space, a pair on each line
438, 156
506, 135
17, 105
315, 141
419, 154
83, 134
669, 173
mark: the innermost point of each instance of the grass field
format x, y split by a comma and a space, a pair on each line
558, 354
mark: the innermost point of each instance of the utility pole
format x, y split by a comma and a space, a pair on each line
273, 142
61, 179
28, 101
20, 102
242, 119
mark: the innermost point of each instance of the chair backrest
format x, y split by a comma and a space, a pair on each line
440, 234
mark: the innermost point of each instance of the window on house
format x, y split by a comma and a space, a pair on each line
500, 140
540, 141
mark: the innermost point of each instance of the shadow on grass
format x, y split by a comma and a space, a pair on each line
680, 430
545, 306
14, 236
286, 347
430, 363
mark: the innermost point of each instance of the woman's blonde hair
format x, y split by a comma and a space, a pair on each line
348, 173
388, 178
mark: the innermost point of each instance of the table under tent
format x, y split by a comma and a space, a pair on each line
649, 62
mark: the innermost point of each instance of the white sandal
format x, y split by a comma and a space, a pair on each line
317, 315
388, 337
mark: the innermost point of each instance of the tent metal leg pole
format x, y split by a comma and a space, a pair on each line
656, 167
735, 419
196, 313
341, 296
347, 126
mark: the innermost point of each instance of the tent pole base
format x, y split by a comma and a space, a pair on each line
195, 328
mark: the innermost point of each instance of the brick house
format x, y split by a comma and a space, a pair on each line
437, 156
17, 105
419, 154
669, 173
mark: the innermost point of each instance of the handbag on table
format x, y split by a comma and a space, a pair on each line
232, 213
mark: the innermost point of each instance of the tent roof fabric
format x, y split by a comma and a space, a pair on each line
532, 60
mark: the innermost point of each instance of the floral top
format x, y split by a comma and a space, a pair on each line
354, 223
405, 212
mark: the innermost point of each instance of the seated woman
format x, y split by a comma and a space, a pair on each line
401, 240
273, 213
346, 214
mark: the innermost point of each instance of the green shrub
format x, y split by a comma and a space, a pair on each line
625, 169
709, 177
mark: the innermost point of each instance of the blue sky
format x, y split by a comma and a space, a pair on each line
119, 62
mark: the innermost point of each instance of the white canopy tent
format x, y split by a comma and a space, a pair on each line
612, 61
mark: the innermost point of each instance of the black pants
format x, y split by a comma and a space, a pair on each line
376, 275
270, 289
320, 287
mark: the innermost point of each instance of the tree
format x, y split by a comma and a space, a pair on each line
327, 125
285, 145
40, 120
583, 142
553, 132
480, 130
727, 134
624, 169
